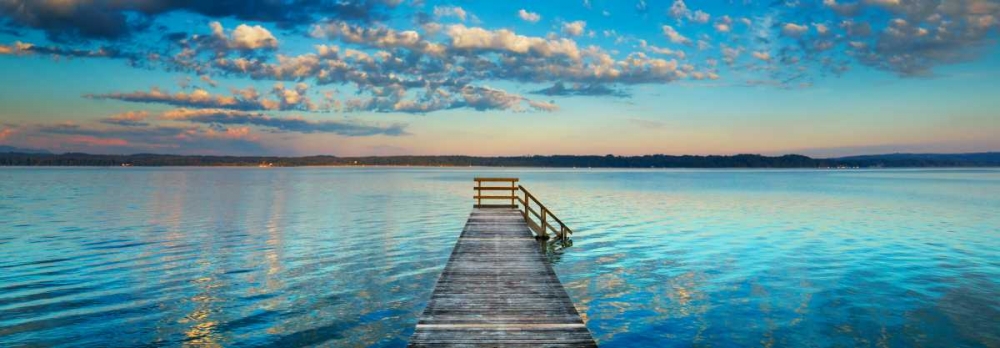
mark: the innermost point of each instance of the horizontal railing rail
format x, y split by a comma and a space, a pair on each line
539, 220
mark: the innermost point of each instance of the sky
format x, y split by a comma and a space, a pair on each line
821, 78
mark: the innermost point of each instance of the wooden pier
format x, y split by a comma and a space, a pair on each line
498, 290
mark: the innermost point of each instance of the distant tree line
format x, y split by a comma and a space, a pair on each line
609, 161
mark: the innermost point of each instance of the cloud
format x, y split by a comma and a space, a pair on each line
208, 80
380, 37
764, 56
434, 67
299, 125
526, 16
6, 133
292, 98
247, 99
794, 30
427, 67
231, 133
911, 38
197, 98
172, 139
543, 106
244, 37
700, 16
19, 48
473, 97
600, 67
678, 10
674, 36
724, 24
202, 131
884, 3
574, 28
66, 20
489, 99
821, 29
396, 80
450, 11
660, 50
134, 133
479, 39
849, 9
128, 119
89, 140
485, 98
560, 89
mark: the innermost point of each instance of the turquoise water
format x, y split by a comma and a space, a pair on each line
349, 257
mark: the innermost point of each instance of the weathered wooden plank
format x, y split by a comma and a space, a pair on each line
498, 290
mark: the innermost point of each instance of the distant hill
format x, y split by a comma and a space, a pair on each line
649, 161
8, 149
982, 159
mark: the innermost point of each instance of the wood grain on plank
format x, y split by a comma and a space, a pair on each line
498, 290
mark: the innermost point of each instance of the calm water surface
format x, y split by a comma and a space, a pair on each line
349, 257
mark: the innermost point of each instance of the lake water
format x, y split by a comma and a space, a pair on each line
348, 257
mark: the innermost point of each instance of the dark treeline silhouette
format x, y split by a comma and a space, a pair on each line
609, 161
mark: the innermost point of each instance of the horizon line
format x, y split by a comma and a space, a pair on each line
51, 153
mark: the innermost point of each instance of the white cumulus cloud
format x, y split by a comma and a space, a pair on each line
674, 36
245, 37
529, 16
574, 28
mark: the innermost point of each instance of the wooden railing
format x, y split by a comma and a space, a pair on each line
544, 216
506, 193
540, 221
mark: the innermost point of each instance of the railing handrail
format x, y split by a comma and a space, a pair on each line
563, 232
540, 205
495, 179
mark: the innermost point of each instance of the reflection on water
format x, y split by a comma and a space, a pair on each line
220, 257
349, 257
554, 248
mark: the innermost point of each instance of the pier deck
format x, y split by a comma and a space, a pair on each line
498, 290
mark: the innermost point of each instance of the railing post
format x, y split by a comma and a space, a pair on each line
479, 193
512, 195
545, 231
526, 204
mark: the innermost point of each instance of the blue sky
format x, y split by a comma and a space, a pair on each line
388, 77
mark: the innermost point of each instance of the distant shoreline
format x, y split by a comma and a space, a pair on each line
401, 167
743, 161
